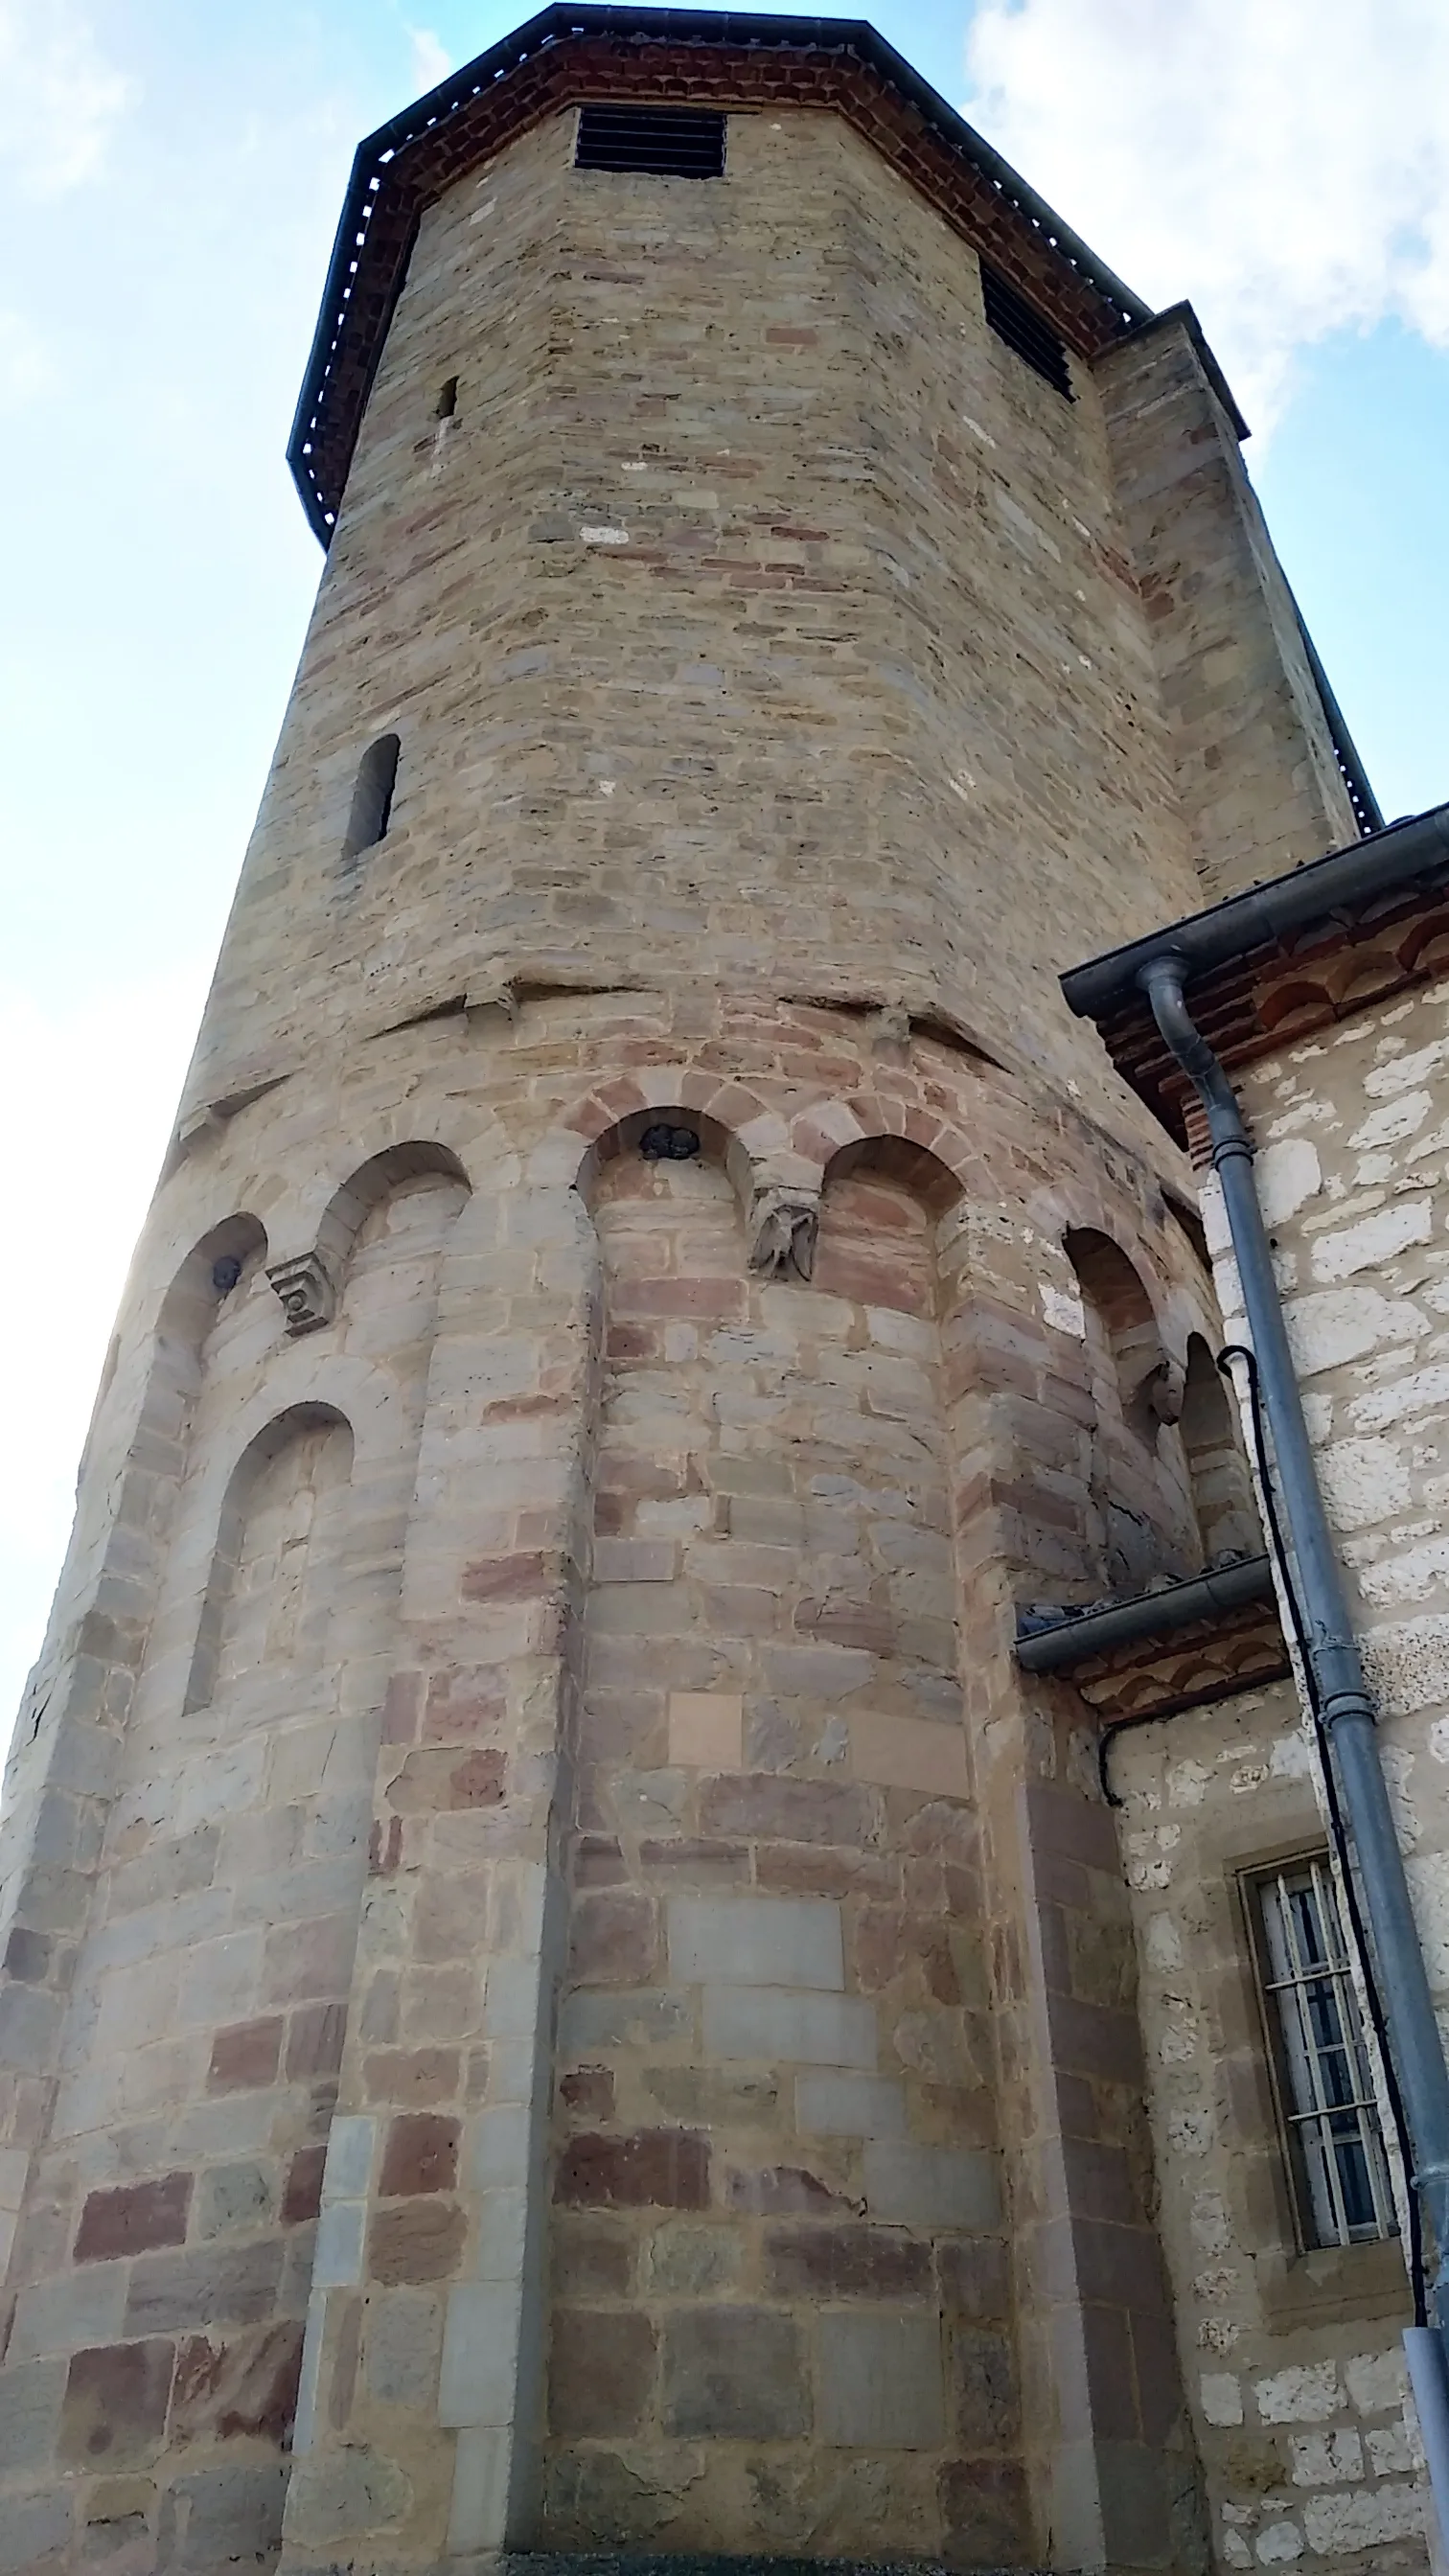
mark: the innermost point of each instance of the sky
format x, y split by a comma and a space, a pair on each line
170, 178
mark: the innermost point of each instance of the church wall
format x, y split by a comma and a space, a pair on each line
448, 2053
163, 2249
799, 2333
1252, 758
520, 1849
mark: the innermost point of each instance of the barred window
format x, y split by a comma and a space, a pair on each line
1026, 331
1331, 2131
660, 143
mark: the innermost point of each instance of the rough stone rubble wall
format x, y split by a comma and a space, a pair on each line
1293, 2362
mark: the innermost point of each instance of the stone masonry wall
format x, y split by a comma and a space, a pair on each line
823, 1800
1353, 1173
161, 2265
527, 1780
1252, 754
782, 2319
1308, 2455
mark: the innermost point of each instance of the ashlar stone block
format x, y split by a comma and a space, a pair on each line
757, 1941
480, 2354
734, 2374
30, 2401
849, 2106
75, 2309
880, 2380
925, 2186
770, 2022
707, 1729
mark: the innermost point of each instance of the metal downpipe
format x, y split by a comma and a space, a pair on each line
1337, 1668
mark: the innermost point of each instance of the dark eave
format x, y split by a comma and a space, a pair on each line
700, 56
1289, 957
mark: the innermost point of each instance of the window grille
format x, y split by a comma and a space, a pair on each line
1023, 329
1331, 2125
662, 143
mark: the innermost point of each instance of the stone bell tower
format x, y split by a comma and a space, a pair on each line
563, 1991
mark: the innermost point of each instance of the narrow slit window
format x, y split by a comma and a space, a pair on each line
447, 398
372, 795
660, 143
1331, 2131
1023, 329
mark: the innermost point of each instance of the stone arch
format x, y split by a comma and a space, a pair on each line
374, 1180
828, 1127
881, 1201
79, 1699
198, 1289
286, 1431
1222, 1488
326, 1208
778, 1191
1141, 1506
718, 1144
311, 1280
732, 1106
377, 1411
1115, 1300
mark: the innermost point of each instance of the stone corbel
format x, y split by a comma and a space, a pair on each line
783, 1224
1164, 1387
305, 1288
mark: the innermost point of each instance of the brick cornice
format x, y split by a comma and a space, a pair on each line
665, 56
1160, 1676
1281, 992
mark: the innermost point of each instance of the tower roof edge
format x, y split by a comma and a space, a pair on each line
704, 56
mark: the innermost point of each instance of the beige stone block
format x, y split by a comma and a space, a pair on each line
707, 1729
909, 1753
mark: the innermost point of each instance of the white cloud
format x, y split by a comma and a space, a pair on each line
432, 61
1283, 163
25, 369
59, 98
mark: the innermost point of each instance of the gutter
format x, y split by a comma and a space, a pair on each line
1411, 853
1335, 1679
1151, 1614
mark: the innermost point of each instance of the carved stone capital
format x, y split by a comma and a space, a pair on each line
1165, 1388
783, 1225
306, 1291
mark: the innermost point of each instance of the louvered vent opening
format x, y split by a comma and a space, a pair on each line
664, 142
1014, 321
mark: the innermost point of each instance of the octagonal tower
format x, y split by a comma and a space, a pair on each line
647, 1280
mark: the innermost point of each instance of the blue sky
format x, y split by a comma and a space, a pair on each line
170, 175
